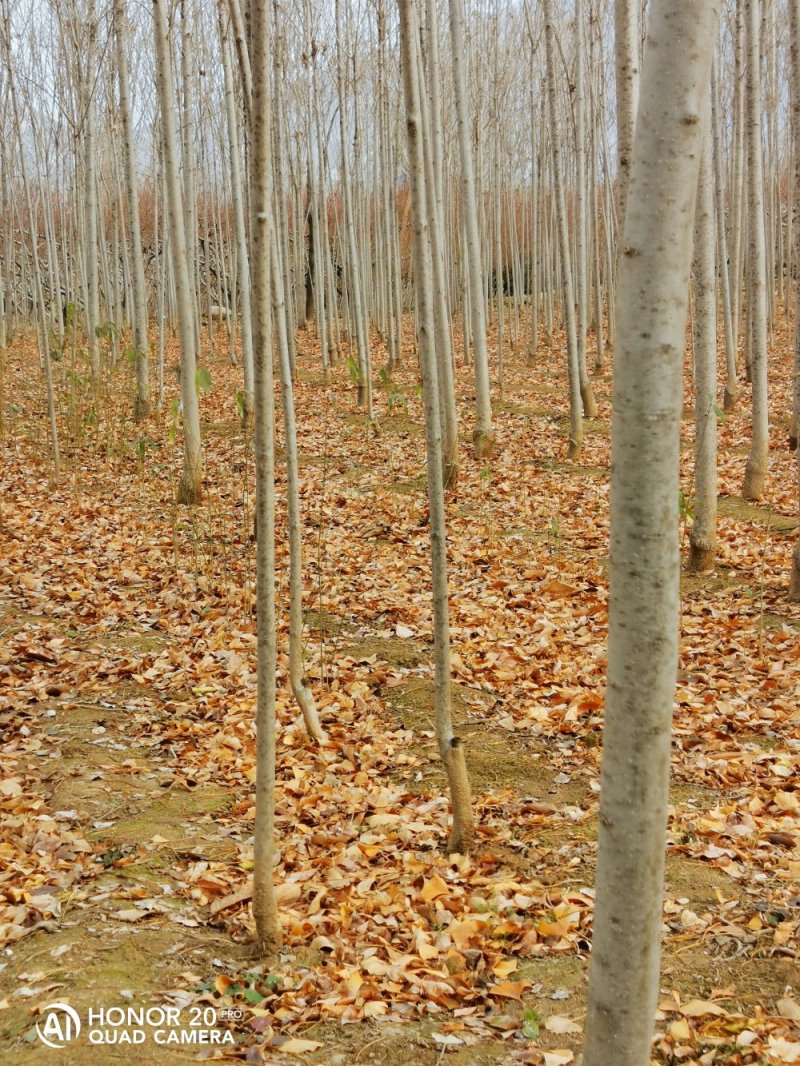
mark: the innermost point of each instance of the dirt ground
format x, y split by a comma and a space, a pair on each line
126, 704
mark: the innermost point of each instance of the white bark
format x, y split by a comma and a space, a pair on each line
703, 535
265, 909
240, 226
484, 441
190, 488
645, 564
731, 387
92, 251
755, 474
451, 747
626, 54
578, 391
794, 31
354, 273
139, 310
300, 689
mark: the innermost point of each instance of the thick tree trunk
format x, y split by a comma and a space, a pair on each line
645, 562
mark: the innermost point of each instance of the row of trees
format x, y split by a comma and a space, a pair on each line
528, 214
353, 141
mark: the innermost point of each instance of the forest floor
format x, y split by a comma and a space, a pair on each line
127, 690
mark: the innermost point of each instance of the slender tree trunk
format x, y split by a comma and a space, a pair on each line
703, 535
265, 909
190, 489
581, 249
451, 748
354, 272
300, 689
794, 31
731, 388
578, 391
239, 225
755, 474
484, 439
189, 187
141, 407
92, 256
626, 56
430, 110
645, 561
738, 196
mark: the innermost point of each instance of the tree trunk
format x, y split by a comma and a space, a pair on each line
645, 563
141, 407
431, 117
190, 489
92, 251
626, 57
354, 272
265, 908
579, 392
300, 690
239, 225
731, 388
794, 31
703, 535
755, 474
483, 440
451, 748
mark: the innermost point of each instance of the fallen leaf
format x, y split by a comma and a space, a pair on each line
699, 1008
296, 1046
789, 1008
559, 1023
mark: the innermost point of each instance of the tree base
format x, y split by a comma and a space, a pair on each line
729, 400
483, 442
269, 935
701, 557
189, 491
305, 701
141, 409
462, 834
450, 473
754, 481
574, 450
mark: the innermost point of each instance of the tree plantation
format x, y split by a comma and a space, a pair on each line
399, 537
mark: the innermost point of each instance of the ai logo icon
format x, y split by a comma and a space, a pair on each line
59, 1023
